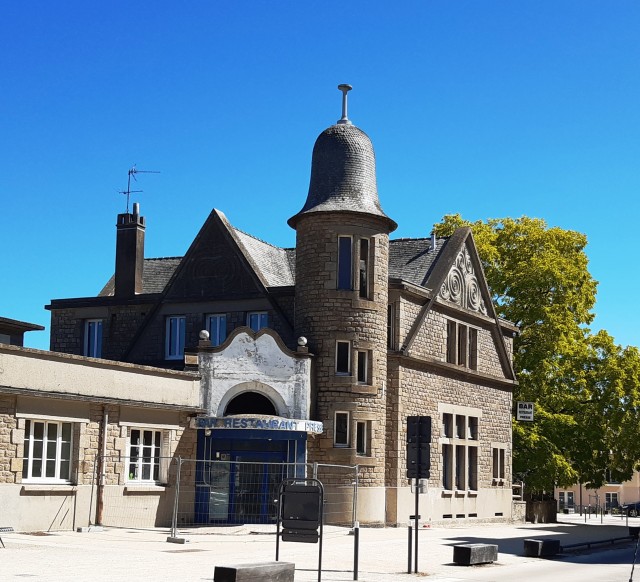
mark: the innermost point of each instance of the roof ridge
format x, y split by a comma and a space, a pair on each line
417, 238
162, 258
258, 239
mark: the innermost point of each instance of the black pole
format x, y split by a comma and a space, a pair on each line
278, 522
409, 549
417, 516
356, 549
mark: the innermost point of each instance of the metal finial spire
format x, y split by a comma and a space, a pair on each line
345, 89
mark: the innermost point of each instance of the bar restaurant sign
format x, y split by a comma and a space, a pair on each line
525, 411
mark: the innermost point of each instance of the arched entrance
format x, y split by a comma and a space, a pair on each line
250, 403
243, 464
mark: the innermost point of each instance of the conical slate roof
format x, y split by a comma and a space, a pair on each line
343, 175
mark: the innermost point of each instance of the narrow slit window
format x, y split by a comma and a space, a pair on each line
343, 357
451, 342
460, 467
362, 438
363, 367
341, 429
345, 262
462, 345
391, 325
473, 348
447, 466
472, 453
364, 268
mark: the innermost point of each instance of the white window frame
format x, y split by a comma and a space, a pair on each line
146, 459
217, 328
174, 344
61, 474
343, 372
93, 338
263, 317
611, 499
341, 444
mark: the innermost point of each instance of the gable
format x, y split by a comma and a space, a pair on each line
213, 268
461, 285
458, 283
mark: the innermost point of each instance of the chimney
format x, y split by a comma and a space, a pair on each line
129, 253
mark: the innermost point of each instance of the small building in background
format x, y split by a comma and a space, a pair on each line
12, 331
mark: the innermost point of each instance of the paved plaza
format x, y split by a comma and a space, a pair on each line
127, 554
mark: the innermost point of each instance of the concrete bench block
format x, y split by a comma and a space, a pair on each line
471, 554
258, 572
544, 548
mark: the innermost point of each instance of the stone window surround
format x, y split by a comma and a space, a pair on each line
356, 237
471, 332
348, 454
449, 445
59, 422
500, 452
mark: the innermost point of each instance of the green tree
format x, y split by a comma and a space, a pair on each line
584, 386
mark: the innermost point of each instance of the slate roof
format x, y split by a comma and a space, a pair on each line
155, 275
343, 175
275, 264
412, 260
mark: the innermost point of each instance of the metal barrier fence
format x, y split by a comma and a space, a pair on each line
228, 492
190, 493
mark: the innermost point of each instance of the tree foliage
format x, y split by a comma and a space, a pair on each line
585, 387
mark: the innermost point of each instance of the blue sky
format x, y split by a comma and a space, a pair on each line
485, 108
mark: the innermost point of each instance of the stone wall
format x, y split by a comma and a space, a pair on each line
325, 314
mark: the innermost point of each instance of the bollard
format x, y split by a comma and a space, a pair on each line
356, 549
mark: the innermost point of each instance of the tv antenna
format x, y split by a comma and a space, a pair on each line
132, 173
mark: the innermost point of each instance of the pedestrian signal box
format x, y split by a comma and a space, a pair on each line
418, 447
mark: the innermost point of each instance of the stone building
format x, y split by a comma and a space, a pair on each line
321, 352
76, 432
